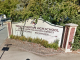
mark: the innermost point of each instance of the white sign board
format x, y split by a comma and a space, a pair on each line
42, 29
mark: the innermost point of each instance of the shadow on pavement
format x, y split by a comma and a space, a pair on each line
2, 28
27, 59
5, 49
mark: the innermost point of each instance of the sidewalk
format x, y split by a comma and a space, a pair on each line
15, 53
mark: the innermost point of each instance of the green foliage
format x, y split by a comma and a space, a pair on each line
56, 41
76, 44
29, 39
37, 40
11, 36
23, 38
24, 3
44, 43
62, 11
7, 6
53, 45
55, 11
20, 15
51, 10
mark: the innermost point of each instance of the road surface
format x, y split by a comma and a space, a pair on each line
3, 33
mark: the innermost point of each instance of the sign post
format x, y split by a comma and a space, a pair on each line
69, 34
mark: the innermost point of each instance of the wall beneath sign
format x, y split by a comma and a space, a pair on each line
44, 30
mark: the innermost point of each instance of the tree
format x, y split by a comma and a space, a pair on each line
24, 2
64, 10
7, 6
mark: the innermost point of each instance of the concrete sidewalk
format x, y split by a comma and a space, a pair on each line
17, 54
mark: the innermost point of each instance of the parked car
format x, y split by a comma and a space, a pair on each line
3, 18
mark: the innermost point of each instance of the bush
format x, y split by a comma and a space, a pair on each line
76, 44
23, 38
16, 37
38, 41
44, 43
56, 41
29, 39
11, 36
53, 45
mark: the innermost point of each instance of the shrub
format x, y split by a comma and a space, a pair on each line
44, 43
56, 41
76, 44
23, 38
16, 37
29, 39
53, 45
11, 36
37, 40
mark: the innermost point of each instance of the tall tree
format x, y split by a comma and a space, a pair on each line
7, 6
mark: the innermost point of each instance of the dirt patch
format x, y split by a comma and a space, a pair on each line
33, 47
77, 51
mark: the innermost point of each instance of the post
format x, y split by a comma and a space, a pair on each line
9, 28
68, 38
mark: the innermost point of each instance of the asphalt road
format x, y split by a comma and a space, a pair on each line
3, 33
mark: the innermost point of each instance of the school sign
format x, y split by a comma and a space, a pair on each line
44, 30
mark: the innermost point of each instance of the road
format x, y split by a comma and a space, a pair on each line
3, 33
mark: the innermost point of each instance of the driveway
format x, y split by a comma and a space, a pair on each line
3, 33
